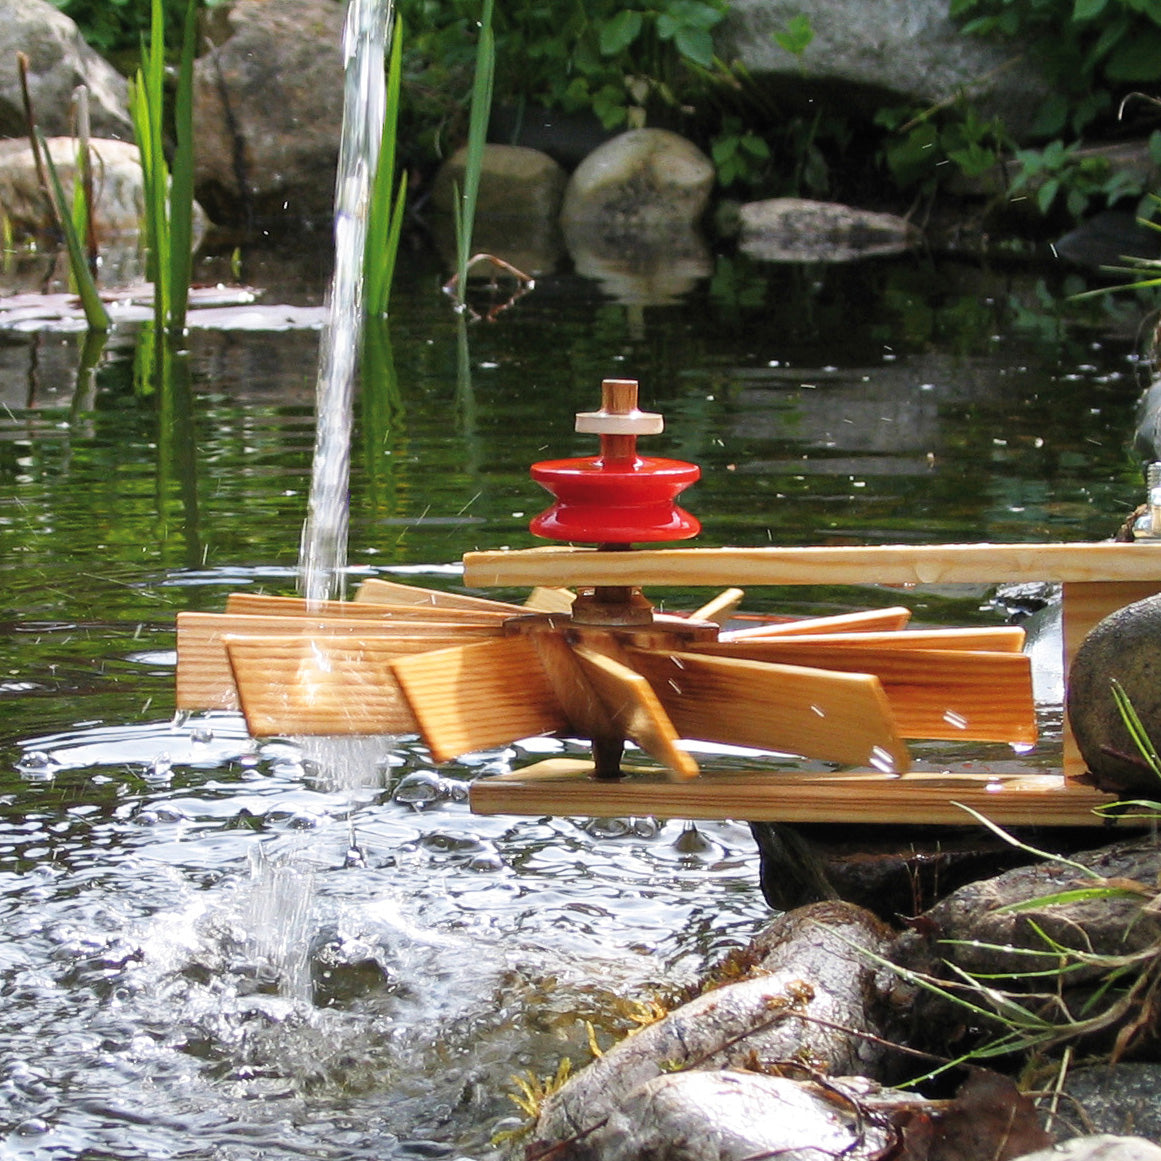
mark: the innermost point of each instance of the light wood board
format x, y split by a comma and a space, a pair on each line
883, 565
562, 787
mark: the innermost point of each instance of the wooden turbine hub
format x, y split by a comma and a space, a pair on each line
470, 674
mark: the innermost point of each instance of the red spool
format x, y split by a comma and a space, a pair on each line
606, 501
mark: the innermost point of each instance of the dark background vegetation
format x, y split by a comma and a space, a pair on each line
621, 62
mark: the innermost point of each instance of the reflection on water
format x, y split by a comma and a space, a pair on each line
216, 947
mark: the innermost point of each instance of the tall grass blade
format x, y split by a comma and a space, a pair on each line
182, 179
385, 220
481, 107
95, 313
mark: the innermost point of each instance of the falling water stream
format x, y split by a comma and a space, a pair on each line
324, 543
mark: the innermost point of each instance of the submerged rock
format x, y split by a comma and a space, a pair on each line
801, 230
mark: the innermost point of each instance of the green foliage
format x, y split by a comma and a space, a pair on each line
605, 56
1088, 49
922, 147
385, 217
1059, 172
95, 314
168, 196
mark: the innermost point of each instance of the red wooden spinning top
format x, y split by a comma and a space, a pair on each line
616, 497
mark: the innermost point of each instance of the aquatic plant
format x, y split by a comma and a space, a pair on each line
96, 316
481, 109
385, 214
168, 190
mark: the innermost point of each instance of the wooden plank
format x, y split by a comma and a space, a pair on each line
265, 604
877, 564
987, 639
631, 702
719, 609
934, 693
866, 621
478, 696
837, 717
376, 590
545, 600
308, 684
204, 680
564, 788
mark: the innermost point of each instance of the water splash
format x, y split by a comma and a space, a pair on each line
323, 552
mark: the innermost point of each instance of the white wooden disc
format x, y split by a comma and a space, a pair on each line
630, 423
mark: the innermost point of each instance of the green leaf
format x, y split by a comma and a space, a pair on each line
695, 44
795, 38
621, 31
1088, 9
1136, 58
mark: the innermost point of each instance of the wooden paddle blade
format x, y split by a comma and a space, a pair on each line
310, 684
375, 590
934, 693
868, 621
546, 600
477, 696
719, 609
206, 682
634, 707
993, 639
836, 717
263, 604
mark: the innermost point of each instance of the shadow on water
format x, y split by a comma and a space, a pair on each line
216, 946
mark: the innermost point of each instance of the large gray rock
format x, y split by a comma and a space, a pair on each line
1124, 647
119, 202
806, 1002
642, 179
58, 61
515, 181
268, 104
906, 50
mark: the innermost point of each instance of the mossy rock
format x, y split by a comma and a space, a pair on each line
1125, 647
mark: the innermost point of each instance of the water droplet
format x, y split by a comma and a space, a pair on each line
160, 769
882, 760
420, 788
37, 765
201, 735
817, 709
955, 719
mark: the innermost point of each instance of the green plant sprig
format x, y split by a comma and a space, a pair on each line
386, 213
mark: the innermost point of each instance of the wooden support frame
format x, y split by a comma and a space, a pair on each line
1096, 579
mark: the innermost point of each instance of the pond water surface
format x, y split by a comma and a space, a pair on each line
215, 947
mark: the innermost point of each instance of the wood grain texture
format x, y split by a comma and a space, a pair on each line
263, 604
205, 681
879, 564
375, 590
307, 684
562, 787
866, 621
630, 701
836, 717
478, 696
993, 639
933, 693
